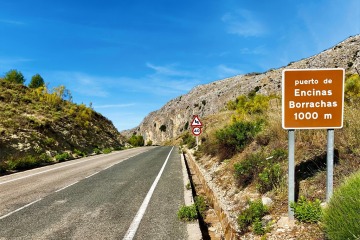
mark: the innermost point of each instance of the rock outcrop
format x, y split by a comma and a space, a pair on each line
175, 116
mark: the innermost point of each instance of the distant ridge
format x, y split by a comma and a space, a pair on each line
211, 98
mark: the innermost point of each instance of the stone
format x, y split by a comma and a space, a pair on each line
267, 201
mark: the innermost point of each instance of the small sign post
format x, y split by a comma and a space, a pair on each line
312, 99
196, 128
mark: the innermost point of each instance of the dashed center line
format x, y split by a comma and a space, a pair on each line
66, 186
19, 209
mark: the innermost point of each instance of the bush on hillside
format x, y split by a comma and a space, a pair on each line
251, 215
266, 172
352, 88
14, 76
235, 137
136, 140
36, 81
306, 210
189, 140
251, 104
341, 216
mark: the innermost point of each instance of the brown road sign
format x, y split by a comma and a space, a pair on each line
312, 98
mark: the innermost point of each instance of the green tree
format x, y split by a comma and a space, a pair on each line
36, 81
136, 140
14, 76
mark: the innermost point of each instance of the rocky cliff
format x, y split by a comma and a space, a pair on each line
174, 118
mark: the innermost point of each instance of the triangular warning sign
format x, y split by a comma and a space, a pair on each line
196, 122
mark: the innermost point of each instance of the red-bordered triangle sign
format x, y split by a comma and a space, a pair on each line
196, 122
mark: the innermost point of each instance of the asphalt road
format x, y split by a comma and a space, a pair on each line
96, 198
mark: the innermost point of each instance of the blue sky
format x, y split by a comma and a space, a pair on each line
129, 57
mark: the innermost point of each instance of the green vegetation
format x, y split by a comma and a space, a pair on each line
352, 88
266, 172
136, 140
37, 122
62, 157
188, 140
200, 204
36, 81
107, 150
307, 211
14, 76
26, 162
341, 216
96, 151
187, 213
252, 216
234, 138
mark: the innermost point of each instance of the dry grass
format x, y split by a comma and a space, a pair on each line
310, 156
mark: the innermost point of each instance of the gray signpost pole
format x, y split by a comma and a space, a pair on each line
329, 164
291, 177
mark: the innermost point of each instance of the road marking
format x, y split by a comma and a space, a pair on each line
139, 215
19, 209
66, 186
92, 174
63, 166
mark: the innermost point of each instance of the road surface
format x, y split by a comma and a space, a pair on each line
131, 194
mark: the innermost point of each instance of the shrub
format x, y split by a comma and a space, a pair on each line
189, 140
136, 140
269, 177
107, 150
14, 76
26, 162
96, 151
250, 215
62, 157
200, 204
36, 81
187, 213
149, 143
79, 153
352, 88
306, 210
251, 104
267, 172
341, 216
258, 227
236, 136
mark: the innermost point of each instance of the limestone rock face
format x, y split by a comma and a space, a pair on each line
211, 98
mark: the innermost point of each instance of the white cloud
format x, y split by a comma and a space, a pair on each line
11, 22
243, 23
7, 63
224, 71
81, 83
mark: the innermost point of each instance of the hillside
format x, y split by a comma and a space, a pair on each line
211, 98
37, 125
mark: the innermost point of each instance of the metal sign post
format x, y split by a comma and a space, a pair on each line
329, 164
291, 180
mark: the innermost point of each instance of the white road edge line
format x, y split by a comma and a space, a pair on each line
66, 186
19, 209
67, 165
139, 215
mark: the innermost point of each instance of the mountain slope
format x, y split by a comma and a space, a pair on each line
211, 98
35, 122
